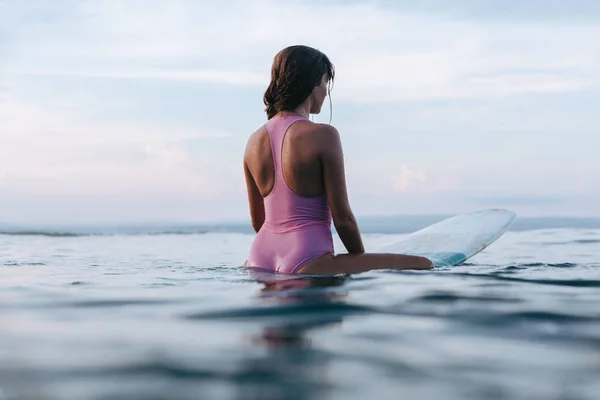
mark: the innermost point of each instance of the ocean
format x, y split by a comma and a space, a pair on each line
164, 311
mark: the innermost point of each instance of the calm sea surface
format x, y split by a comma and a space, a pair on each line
172, 316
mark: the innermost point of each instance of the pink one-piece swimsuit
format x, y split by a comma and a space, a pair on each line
297, 229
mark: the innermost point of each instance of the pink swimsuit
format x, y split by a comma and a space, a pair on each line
297, 229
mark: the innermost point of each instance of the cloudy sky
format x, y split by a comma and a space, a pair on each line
127, 110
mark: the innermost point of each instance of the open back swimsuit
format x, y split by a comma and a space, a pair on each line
297, 229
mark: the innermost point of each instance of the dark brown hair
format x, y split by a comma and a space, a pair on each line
296, 71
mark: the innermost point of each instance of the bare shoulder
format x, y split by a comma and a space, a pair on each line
327, 136
257, 134
255, 140
326, 129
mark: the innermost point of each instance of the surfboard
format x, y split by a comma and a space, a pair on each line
455, 239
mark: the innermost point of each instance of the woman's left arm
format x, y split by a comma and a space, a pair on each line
255, 200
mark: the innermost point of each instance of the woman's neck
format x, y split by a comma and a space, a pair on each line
294, 113
304, 109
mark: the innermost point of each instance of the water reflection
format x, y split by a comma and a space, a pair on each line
291, 366
317, 301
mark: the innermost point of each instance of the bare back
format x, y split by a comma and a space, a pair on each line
312, 165
301, 160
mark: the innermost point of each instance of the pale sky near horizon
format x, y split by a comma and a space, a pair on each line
136, 110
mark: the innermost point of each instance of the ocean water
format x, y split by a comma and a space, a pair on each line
150, 315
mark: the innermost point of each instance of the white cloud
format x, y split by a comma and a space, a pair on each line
223, 77
44, 120
49, 150
380, 54
381, 178
406, 177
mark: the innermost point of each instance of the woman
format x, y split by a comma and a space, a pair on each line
296, 182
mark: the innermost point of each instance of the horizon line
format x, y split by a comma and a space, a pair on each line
225, 222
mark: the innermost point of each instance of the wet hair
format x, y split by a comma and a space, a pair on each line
296, 71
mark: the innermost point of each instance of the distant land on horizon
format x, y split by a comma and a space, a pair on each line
392, 224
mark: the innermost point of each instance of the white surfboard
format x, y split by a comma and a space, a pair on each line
456, 239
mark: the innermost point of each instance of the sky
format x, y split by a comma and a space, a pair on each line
127, 110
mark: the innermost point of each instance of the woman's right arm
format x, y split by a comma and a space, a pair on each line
334, 177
